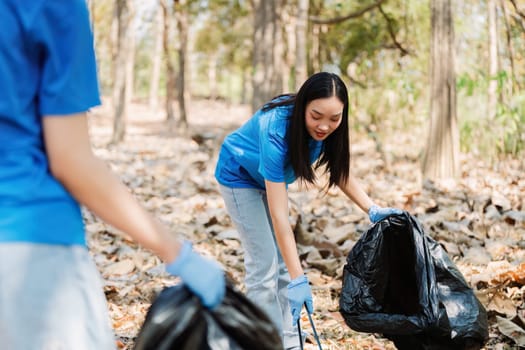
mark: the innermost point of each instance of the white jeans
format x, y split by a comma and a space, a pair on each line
51, 298
266, 277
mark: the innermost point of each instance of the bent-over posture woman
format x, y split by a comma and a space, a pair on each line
286, 140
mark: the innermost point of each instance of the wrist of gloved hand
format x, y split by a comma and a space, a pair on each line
299, 294
377, 213
204, 277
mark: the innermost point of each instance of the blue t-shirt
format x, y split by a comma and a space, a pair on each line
47, 67
258, 150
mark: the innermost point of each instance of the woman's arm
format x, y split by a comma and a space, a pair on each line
355, 192
278, 205
299, 292
92, 183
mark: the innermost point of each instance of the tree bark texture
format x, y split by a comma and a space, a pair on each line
289, 20
515, 86
181, 15
157, 60
122, 20
170, 70
301, 29
130, 52
492, 93
441, 159
315, 61
267, 49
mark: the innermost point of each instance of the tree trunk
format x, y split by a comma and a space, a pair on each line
212, 76
170, 70
289, 60
114, 49
181, 14
123, 19
157, 60
510, 48
245, 86
301, 68
265, 79
130, 53
441, 159
492, 93
278, 52
315, 48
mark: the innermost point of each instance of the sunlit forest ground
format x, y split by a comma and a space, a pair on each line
479, 219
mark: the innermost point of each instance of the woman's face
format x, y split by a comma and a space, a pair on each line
323, 116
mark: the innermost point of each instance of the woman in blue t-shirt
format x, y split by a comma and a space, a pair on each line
51, 296
286, 140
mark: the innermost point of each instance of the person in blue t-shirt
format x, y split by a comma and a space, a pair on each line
287, 139
51, 295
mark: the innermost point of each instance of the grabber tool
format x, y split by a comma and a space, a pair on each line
313, 328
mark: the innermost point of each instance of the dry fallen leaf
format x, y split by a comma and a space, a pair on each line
511, 330
502, 305
122, 267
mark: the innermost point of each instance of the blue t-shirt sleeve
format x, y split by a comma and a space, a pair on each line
273, 146
69, 81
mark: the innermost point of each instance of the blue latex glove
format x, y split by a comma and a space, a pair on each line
299, 293
376, 213
204, 277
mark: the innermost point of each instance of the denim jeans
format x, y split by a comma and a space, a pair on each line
266, 276
51, 298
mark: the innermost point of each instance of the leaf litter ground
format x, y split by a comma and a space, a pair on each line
479, 219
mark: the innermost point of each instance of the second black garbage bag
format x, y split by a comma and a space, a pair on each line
401, 283
177, 320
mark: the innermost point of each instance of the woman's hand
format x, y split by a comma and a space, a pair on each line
202, 276
299, 294
376, 213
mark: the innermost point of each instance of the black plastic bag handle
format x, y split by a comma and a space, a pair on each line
313, 328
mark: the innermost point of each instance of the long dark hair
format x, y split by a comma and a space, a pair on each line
335, 153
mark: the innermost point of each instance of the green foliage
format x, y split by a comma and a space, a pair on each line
101, 23
223, 39
505, 134
362, 39
511, 120
386, 87
467, 83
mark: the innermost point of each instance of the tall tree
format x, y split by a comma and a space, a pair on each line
122, 18
493, 59
170, 69
301, 69
157, 60
130, 53
267, 51
289, 20
182, 17
441, 159
510, 47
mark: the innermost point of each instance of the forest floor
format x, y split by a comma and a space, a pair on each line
479, 219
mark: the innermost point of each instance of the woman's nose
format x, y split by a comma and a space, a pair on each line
323, 127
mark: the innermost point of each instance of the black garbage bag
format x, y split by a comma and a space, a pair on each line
177, 320
400, 282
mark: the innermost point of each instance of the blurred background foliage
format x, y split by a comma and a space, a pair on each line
382, 50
